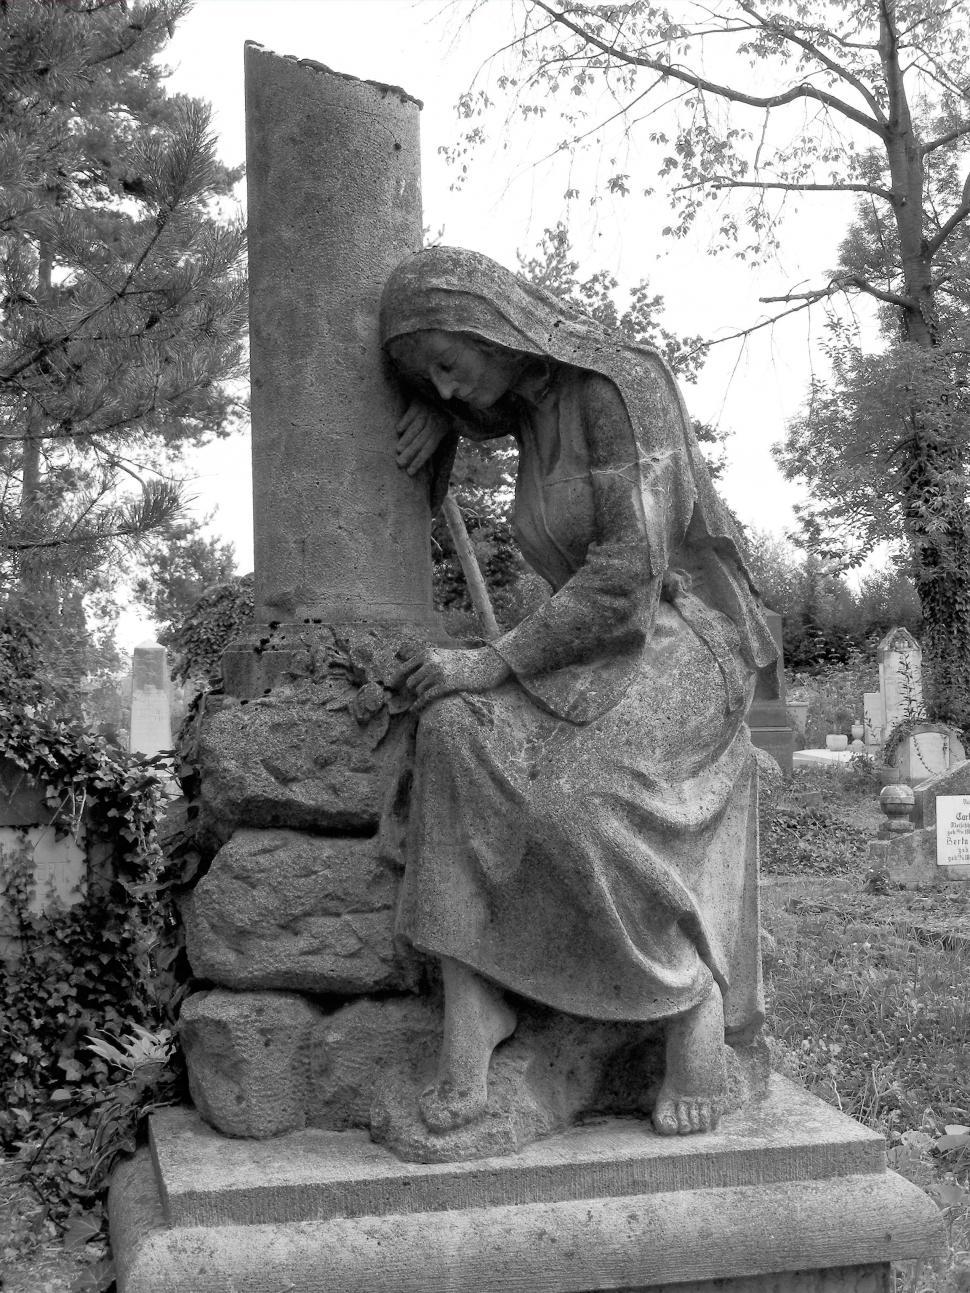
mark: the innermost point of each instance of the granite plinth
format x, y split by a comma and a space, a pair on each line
786, 1195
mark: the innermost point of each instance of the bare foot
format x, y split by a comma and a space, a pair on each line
477, 1018
694, 1080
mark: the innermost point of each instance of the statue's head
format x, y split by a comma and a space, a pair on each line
467, 300
449, 289
457, 365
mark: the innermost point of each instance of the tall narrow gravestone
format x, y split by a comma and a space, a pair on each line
275, 1180
150, 726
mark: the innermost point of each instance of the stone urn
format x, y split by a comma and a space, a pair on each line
837, 741
858, 731
897, 802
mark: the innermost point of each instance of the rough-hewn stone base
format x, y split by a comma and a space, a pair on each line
787, 1197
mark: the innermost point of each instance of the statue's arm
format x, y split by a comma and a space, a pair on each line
609, 603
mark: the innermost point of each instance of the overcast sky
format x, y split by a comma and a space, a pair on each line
434, 53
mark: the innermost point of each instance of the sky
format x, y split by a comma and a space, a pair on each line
434, 49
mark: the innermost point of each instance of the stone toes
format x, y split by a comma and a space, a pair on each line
445, 1107
687, 1117
673, 1117
665, 1118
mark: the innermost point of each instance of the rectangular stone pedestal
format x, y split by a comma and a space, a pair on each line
788, 1196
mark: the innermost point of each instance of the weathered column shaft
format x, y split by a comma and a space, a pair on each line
341, 535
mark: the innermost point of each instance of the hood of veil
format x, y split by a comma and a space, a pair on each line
454, 290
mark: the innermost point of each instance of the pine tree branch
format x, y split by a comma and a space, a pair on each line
727, 92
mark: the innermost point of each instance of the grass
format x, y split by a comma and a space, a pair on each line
869, 999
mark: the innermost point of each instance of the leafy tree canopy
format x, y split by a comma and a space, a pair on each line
736, 110
122, 295
179, 565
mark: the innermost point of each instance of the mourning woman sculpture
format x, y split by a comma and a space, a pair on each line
581, 828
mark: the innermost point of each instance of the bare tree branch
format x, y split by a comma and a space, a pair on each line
722, 91
811, 48
956, 218
726, 182
843, 283
956, 133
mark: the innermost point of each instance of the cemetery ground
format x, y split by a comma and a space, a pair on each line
869, 1006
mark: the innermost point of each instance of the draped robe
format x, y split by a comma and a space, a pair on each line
585, 835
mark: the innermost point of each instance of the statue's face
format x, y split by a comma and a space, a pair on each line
457, 366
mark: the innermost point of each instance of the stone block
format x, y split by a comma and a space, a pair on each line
353, 1047
911, 860
927, 753
319, 757
788, 1196
264, 1063
248, 1059
285, 910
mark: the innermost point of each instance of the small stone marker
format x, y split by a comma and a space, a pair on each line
150, 727
953, 831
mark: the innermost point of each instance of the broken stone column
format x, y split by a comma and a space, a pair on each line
341, 535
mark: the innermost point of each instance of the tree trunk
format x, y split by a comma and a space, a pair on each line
938, 527
934, 483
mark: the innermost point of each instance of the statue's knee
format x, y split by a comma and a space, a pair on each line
444, 723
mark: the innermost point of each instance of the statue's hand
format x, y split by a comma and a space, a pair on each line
420, 431
437, 671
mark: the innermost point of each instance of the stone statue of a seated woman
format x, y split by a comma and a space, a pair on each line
582, 823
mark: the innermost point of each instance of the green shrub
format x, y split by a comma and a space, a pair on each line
834, 694
105, 965
66, 1110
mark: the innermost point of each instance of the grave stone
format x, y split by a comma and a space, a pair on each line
953, 836
150, 725
928, 749
900, 694
768, 717
916, 859
300, 753
57, 861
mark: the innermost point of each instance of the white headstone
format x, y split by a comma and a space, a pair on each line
873, 717
953, 831
150, 727
900, 678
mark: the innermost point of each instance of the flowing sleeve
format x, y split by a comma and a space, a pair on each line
580, 648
